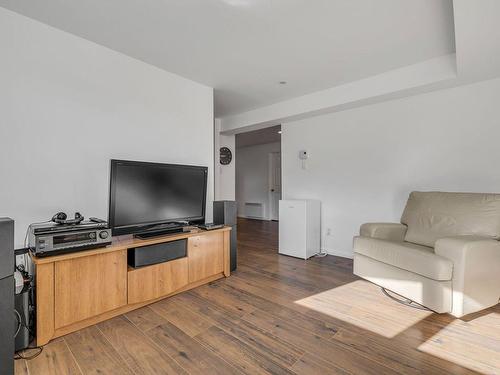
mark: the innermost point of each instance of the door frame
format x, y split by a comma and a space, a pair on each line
271, 215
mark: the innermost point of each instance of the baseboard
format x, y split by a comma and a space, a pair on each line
337, 253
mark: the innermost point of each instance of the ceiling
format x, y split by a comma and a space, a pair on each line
258, 137
244, 48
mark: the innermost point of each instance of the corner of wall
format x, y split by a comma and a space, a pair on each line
224, 175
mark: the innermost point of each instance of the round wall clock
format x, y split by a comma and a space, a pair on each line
225, 155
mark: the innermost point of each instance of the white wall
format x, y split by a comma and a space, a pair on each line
67, 106
252, 176
364, 162
225, 176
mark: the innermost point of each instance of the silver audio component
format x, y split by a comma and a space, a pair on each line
51, 239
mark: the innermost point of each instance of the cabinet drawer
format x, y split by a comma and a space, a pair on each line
89, 286
206, 256
156, 281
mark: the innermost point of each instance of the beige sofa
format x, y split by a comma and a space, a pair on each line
444, 254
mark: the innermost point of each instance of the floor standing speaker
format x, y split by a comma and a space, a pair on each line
22, 312
7, 322
225, 213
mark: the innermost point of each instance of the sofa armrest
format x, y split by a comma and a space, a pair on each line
384, 231
476, 271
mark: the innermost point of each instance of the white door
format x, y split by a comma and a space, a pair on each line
274, 184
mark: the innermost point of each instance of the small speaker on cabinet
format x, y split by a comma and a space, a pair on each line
158, 253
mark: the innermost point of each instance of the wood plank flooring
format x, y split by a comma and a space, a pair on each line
278, 315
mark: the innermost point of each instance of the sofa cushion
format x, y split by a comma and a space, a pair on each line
434, 215
411, 257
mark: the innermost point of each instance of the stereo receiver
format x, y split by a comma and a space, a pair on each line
51, 239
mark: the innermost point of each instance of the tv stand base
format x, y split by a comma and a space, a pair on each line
79, 289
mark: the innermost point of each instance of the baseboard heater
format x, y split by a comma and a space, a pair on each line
254, 210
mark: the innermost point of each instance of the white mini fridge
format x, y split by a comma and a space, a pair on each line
300, 228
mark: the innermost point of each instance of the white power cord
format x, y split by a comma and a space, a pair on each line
28, 230
322, 253
19, 323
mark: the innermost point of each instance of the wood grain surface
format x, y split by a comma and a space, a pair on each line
278, 315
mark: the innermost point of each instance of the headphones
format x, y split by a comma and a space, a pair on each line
62, 218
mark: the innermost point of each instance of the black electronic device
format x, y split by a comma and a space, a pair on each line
50, 238
225, 213
62, 218
97, 220
210, 226
7, 322
153, 198
24, 300
158, 253
24, 326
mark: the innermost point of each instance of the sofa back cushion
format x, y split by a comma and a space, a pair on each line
434, 215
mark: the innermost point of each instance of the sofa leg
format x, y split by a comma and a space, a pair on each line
404, 301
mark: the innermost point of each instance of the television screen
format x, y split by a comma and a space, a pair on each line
144, 195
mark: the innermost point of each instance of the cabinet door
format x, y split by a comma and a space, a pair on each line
172, 276
156, 281
89, 286
206, 255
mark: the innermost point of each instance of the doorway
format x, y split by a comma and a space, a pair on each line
258, 173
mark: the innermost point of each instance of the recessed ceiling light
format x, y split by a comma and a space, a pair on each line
282, 82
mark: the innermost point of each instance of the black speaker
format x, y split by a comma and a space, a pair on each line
23, 323
7, 321
225, 212
159, 253
6, 247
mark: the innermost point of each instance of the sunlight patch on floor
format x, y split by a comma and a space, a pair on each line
451, 344
362, 304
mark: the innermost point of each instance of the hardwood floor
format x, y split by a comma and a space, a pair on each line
278, 315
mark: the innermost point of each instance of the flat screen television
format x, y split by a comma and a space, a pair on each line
151, 197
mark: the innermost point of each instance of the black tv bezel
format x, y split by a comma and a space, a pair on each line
148, 226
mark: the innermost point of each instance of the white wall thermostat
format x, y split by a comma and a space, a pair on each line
303, 155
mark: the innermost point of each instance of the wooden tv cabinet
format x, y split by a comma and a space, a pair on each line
80, 289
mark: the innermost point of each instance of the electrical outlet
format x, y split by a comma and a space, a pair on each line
328, 231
